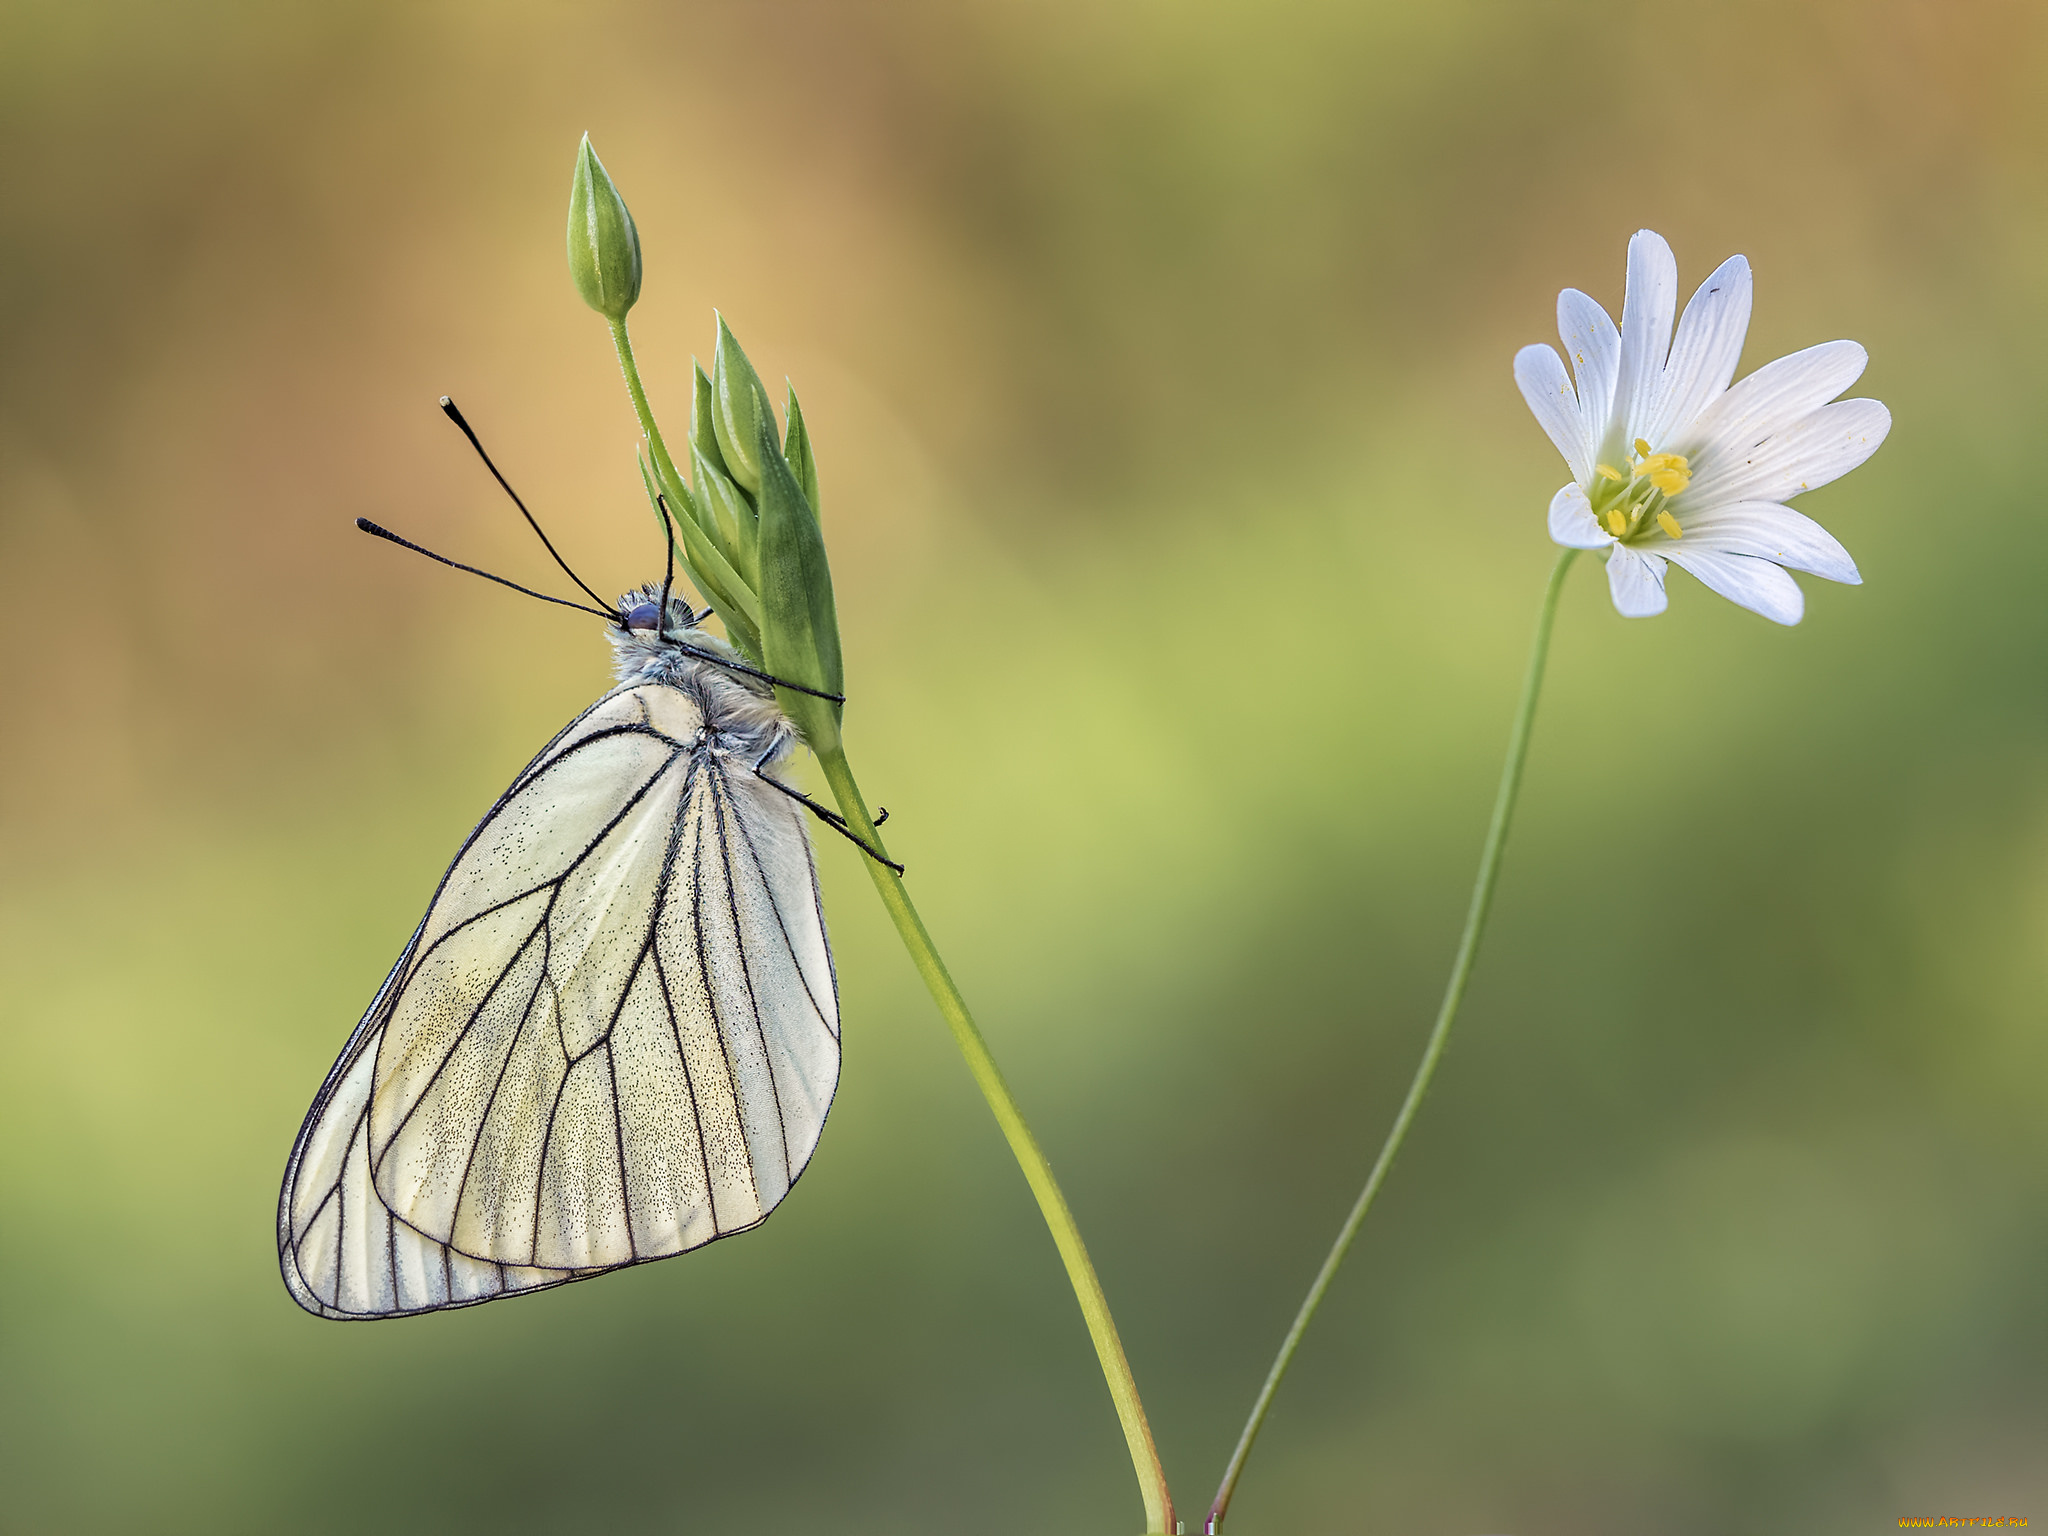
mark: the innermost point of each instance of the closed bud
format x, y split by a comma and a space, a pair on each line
703, 425
796, 447
799, 624
729, 517
604, 245
739, 411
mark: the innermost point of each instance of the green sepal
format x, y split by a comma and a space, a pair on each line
728, 510
703, 428
604, 244
683, 504
738, 405
800, 625
709, 572
726, 507
796, 447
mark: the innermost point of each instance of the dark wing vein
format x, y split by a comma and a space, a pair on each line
775, 907
739, 944
611, 1063
732, 1077
648, 948
461, 1034
497, 1083
540, 1175
668, 1004
590, 847
542, 926
341, 1206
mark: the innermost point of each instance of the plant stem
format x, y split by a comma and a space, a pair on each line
664, 466
1432, 1053
1066, 1236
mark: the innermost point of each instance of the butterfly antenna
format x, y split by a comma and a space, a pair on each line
420, 549
454, 415
668, 580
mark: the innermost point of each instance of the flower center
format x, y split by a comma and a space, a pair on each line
1628, 503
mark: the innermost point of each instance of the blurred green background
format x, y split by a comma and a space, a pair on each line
1188, 531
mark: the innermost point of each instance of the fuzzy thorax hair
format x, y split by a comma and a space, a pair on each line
731, 701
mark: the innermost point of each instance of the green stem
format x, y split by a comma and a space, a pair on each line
664, 466
1432, 1053
1066, 1236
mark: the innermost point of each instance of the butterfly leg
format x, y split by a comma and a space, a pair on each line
767, 677
831, 818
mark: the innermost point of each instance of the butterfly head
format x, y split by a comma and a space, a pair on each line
648, 643
641, 620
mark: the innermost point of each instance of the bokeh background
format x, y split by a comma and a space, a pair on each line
1188, 532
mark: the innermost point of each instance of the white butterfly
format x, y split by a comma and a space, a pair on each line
615, 1034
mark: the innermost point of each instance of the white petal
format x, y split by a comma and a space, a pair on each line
1548, 389
1774, 533
1772, 398
1593, 346
1646, 310
1705, 351
1636, 581
1821, 446
1572, 522
1757, 585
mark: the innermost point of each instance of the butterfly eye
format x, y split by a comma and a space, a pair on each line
644, 616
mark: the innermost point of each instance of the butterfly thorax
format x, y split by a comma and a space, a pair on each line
739, 712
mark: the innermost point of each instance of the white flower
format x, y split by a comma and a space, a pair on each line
1670, 464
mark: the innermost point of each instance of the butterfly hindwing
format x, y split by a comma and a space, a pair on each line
613, 1038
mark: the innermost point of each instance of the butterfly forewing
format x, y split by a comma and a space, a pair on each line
613, 1038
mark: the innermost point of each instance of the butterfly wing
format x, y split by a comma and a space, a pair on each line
614, 1036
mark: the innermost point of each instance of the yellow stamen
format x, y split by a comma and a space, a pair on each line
1669, 524
1609, 472
1642, 449
1668, 472
1616, 523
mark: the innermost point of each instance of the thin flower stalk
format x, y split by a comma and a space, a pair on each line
1052, 1204
1432, 1052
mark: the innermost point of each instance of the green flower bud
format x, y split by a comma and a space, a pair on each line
796, 447
703, 430
799, 624
739, 406
729, 511
604, 245
731, 522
